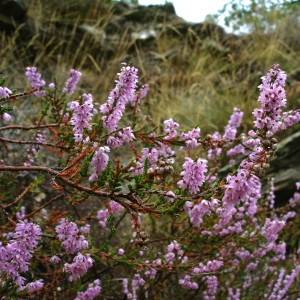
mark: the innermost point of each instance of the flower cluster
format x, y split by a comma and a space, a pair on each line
5, 92
123, 136
103, 214
175, 253
136, 282
93, 290
123, 93
82, 115
210, 266
99, 162
212, 285
33, 151
15, 256
272, 98
170, 129
81, 264
72, 82
197, 211
187, 283
69, 234
160, 159
36, 80
228, 136
193, 174
191, 139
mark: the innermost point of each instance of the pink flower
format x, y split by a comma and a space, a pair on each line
193, 174
72, 82
6, 117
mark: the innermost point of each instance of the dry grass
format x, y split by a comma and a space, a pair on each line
195, 83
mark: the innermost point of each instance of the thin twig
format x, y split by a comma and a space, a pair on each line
28, 127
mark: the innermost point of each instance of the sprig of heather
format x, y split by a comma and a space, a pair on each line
191, 139
15, 256
103, 214
136, 282
170, 129
99, 162
212, 286
83, 112
36, 80
94, 289
193, 174
33, 151
273, 98
125, 135
72, 82
229, 135
123, 93
80, 265
69, 234
4, 94
160, 160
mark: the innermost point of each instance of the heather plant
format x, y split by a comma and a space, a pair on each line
138, 211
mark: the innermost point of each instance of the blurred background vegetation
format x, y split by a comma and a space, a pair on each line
197, 72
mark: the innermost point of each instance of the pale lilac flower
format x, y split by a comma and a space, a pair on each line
6, 117
72, 82
121, 252
160, 153
82, 115
233, 123
197, 211
54, 259
81, 264
15, 255
143, 92
272, 98
174, 253
123, 136
123, 93
136, 282
212, 285
35, 80
21, 214
187, 283
191, 139
151, 273
93, 290
103, 214
34, 286
170, 196
51, 86
271, 228
170, 129
114, 142
4, 92
193, 174
99, 162
126, 134
69, 234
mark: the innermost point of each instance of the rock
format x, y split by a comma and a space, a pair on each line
12, 14
285, 168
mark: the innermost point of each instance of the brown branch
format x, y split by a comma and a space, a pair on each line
4, 140
28, 127
134, 203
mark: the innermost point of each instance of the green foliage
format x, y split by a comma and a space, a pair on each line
258, 15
